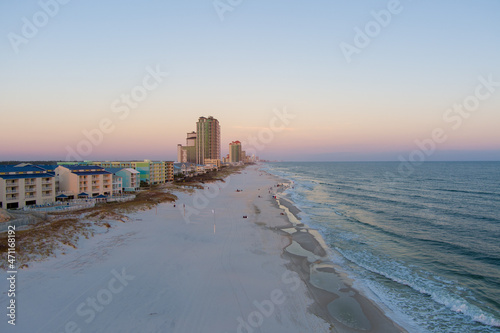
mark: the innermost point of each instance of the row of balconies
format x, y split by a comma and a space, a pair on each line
96, 188
30, 196
29, 181
28, 188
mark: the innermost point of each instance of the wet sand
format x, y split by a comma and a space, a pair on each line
200, 266
336, 301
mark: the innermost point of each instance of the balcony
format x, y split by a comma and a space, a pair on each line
30, 196
47, 194
12, 198
46, 181
12, 182
12, 190
29, 182
46, 188
30, 189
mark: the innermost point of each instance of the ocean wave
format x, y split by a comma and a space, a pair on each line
409, 243
405, 276
468, 192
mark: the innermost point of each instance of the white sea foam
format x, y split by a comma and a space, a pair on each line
446, 301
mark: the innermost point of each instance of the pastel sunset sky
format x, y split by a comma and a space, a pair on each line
357, 88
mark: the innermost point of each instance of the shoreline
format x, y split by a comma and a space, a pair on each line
336, 301
243, 257
178, 266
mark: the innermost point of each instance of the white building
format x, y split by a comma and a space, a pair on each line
117, 180
25, 185
84, 180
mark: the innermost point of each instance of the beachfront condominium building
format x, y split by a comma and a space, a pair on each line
84, 181
208, 140
131, 179
117, 180
212, 163
125, 180
113, 164
187, 153
155, 172
235, 152
191, 139
181, 154
169, 171
25, 186
151, 172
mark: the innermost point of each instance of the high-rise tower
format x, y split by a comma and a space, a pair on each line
187, 153
235, 155
207, 140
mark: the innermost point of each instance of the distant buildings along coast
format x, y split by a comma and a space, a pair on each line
203, 148
29, 185
26, 184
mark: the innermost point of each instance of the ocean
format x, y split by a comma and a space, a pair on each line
424, 242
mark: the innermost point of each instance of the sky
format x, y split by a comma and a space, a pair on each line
293, 80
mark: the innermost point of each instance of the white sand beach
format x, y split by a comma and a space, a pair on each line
210, 270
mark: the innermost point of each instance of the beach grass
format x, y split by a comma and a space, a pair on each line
63, 229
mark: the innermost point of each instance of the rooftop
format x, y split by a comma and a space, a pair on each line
29, 175
113, 170
31, 169
81, 167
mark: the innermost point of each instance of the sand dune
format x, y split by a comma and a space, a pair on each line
196, 267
